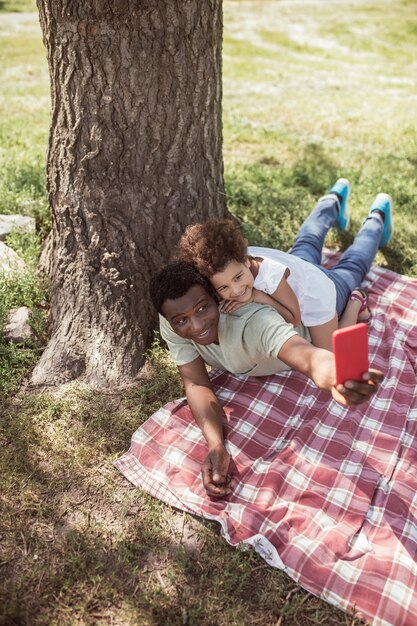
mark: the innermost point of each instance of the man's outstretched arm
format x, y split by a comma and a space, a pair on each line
319, 365
209, 415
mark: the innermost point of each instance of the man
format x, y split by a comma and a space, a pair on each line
254, 340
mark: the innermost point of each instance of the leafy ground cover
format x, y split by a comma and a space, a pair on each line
312, 91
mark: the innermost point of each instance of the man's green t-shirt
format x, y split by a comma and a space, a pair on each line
249, 342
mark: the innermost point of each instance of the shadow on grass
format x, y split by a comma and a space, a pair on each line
79, 544
272, 200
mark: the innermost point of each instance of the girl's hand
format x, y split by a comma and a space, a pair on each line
228, 306
289, 315
260, 297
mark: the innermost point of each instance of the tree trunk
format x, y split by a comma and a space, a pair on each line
135, 155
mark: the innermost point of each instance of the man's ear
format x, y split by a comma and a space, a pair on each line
247, 262
161, 310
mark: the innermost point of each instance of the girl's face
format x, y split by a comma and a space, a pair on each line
235, 282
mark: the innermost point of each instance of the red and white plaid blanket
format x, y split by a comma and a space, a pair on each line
325, 493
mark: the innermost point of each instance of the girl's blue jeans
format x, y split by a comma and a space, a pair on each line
357, 259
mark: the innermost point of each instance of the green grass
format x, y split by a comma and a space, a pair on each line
22, 289
24, 119
17, 6
310, 93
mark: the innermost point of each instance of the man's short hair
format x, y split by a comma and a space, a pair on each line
173, 281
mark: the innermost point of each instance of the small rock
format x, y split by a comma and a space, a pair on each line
9, 260
17, 328
10, 222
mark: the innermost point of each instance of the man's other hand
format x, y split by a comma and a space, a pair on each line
215, 473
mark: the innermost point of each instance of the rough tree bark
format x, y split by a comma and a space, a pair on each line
135, 155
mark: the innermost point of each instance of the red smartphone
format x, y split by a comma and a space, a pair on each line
350, 347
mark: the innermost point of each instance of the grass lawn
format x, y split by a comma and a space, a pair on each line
312, 91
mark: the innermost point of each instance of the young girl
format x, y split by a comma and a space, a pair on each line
297, 289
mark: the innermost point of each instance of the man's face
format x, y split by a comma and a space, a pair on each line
194, 316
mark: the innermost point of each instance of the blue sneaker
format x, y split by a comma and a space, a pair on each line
342, 189
383, 203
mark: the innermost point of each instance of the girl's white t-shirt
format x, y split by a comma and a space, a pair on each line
316, 293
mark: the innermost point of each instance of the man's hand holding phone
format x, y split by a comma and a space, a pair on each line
355, 382
350, 347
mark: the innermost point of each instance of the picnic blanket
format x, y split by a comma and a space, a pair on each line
327, 494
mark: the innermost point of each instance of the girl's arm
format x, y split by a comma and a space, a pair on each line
282, 300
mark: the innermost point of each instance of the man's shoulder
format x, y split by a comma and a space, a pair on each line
258, 320
253, 312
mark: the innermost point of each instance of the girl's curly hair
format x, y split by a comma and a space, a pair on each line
211, 246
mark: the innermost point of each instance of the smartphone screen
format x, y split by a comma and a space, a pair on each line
350, 347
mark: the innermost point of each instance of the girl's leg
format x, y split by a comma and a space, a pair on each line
357, 260
321, 336
352, 313
309, 241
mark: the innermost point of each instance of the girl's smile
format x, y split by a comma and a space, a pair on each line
234, 282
